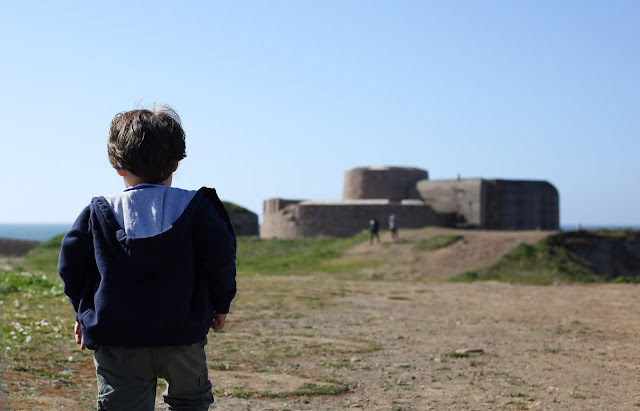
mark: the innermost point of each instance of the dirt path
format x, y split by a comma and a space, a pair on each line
477, 248
542, 348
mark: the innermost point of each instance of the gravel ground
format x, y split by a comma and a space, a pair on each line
519, 347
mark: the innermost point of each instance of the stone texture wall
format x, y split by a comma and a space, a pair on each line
522, 205
391, 183
279, 218
275, 204
342, 219
495, 204
465, 199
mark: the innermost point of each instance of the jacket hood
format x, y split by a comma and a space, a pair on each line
142, 256
146, 210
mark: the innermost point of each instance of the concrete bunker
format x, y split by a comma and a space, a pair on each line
417, 202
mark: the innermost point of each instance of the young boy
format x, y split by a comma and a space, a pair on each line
149, 270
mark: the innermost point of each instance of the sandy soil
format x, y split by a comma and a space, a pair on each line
393, 341
565, 347
542, 348
477, 248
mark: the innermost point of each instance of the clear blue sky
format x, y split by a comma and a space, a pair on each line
279, 98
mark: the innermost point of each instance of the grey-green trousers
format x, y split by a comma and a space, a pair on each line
127, 377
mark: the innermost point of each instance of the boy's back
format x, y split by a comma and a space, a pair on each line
149, 270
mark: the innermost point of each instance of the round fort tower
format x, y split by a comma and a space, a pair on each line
392, 183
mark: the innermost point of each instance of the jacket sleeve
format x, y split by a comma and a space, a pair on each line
77, 261
215, 252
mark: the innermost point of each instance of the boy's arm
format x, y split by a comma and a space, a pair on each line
76, 258
216, 255
222, 287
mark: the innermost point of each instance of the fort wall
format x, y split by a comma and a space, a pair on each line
391, 183
342, 219
464, 198
279, 217
495, 204
523, 205
417, 202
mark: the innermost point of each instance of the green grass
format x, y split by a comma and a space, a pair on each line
43, 257
297, 256
39, 284
399, 298
36, 325
234, 208
457, 354
436, 242
314, 389
255, 256
626, 280
546, 262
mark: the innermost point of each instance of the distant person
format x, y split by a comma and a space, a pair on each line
149, 270
393, 227
374, 228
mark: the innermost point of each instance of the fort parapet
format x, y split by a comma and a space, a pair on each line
392, 183
416, 202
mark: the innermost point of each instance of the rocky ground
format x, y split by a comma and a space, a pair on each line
397, 337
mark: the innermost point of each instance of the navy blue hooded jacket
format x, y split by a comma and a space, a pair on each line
160, 290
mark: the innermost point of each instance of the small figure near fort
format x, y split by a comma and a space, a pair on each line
149, 270
393, 227
374, 227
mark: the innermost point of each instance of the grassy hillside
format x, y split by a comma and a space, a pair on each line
255, 256
564, 257
234, 208
436, 242
296, 256
578, 256
43, 257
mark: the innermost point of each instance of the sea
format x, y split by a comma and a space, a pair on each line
34, 231
43, 232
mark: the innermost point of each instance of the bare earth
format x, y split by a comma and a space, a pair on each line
566, 347
392, 339
543, 348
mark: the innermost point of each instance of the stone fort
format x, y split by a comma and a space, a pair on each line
417, 202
